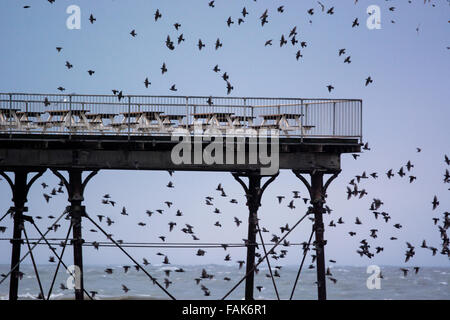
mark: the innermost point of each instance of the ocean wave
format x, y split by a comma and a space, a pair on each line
427, 284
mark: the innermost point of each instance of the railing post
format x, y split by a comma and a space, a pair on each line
70, 116
334, 119
129, 117
187, 113
301, 121
245, 109
361, 121
9, 115
80, 118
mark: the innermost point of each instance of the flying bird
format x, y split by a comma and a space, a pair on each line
435, 202
200, 44
163, 68
158, 15
229, 87
147, 83
218, 44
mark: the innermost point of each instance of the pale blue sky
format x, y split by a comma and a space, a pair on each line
405, 107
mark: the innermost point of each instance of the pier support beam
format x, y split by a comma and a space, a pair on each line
75, 189
317, 191
20, 188
253, 193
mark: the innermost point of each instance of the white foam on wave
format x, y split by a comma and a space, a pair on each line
56, 295
28, 296
168, 268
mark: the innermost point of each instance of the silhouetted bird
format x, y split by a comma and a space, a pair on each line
200, 44
435, 202
163, 68
158, 15
147, 83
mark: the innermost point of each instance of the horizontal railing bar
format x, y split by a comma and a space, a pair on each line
150, 243
174, 104
131, 104
300, 104
178, 97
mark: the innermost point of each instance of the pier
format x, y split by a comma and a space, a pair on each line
73, 134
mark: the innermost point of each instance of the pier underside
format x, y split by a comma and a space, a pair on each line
28, 155
154, 153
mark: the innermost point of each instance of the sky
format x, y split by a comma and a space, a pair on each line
405, 107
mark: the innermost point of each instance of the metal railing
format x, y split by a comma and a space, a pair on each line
162, 115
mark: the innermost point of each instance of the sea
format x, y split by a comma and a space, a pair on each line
430, 283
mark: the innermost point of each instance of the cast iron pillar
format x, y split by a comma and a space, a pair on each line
75, 189
19, 188
317, 201
317, 192
253, 194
